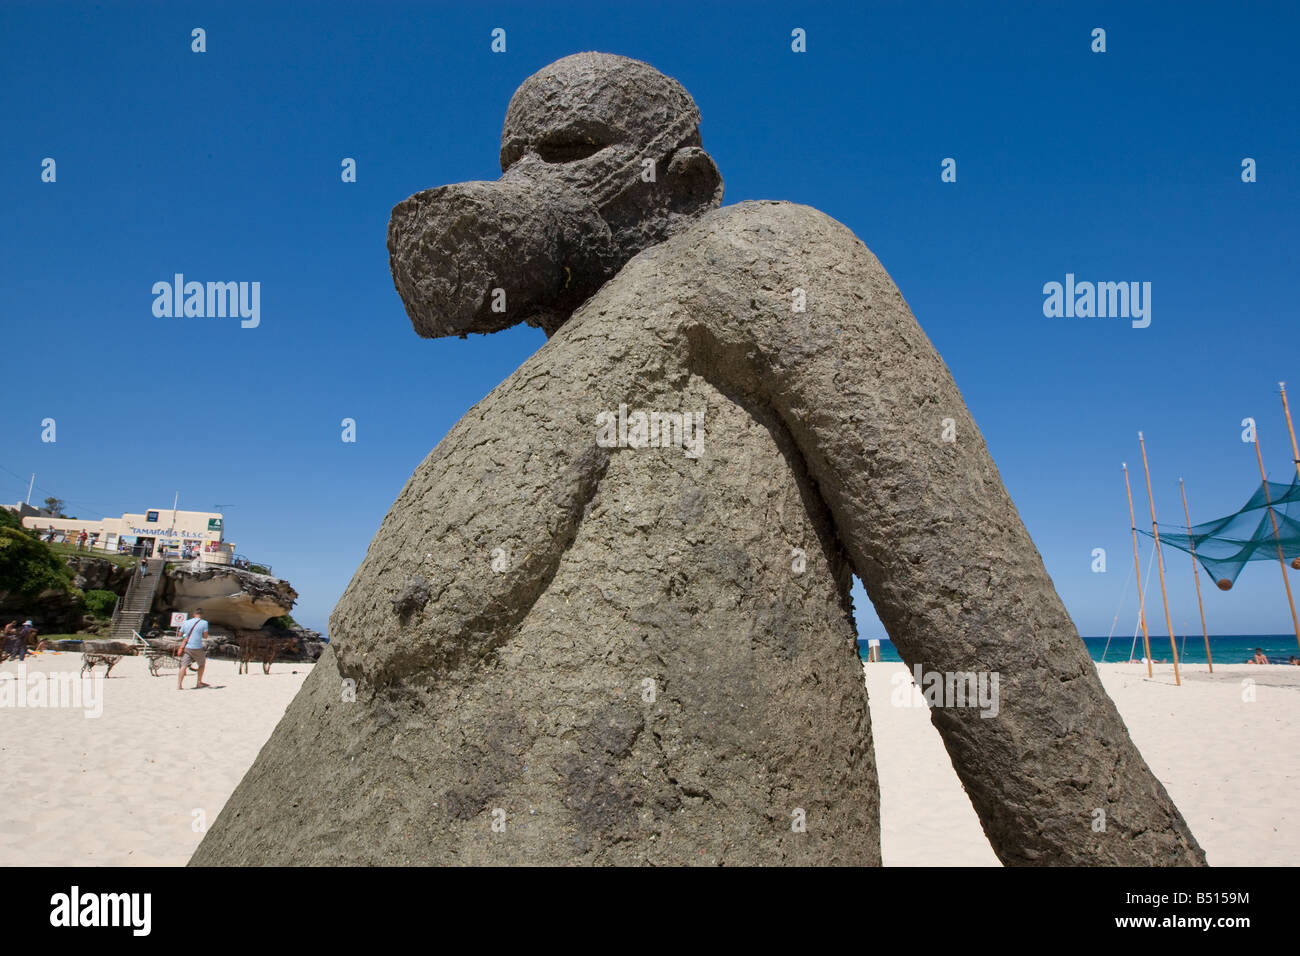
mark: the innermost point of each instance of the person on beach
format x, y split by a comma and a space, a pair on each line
9, 638
191, 649
25, 639
1259, 657
873, 649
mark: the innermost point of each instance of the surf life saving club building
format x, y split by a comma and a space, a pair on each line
147, 534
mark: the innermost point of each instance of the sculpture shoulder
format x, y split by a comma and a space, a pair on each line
730, 262
750, 239
769, 223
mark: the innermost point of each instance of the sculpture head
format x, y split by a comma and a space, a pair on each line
600, 159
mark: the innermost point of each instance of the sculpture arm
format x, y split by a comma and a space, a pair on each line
924, 517
460, 567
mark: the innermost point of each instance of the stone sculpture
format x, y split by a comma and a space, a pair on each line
608, 619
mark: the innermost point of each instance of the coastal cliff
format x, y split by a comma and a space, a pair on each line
237, 604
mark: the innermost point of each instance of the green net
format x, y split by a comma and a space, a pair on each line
1225, 545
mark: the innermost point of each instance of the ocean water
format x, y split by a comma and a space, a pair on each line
1226, 648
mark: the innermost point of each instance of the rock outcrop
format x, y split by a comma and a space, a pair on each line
53, 611
93, 573
229, 597
634, 646
234, 600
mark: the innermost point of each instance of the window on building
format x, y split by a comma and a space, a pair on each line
151, 517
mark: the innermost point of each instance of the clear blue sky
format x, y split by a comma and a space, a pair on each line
225, 166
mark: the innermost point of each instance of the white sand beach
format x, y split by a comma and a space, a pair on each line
122, 789
1231, 766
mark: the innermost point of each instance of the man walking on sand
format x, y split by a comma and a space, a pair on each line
191, 648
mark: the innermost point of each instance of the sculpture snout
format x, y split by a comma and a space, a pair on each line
483, 256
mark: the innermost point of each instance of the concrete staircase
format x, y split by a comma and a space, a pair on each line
137, 601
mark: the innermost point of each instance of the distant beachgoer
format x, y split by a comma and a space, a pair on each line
1259, 657
191, 649
26, 637
144, 567
1294, 661
15, 639
81, 539
873, 649
49, 535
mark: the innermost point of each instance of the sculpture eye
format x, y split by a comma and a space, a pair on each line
567, 150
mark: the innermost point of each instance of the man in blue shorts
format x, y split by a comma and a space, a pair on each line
191, 649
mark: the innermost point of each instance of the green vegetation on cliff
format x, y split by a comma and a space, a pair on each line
101, 603
28, 566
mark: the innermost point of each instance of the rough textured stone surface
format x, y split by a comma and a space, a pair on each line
500, 643
525, 690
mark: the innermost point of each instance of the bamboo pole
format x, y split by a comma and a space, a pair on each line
1160, 562
1277, 537
1137, 569
1295, 452
1196, 575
